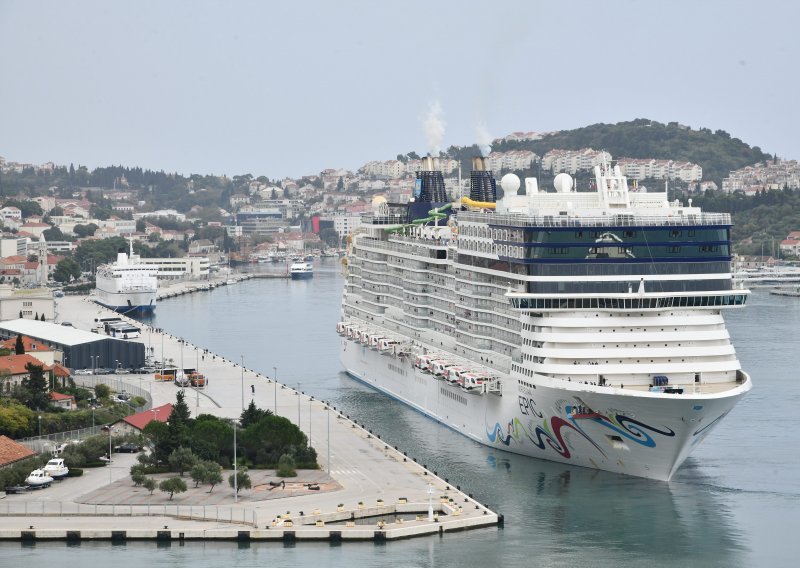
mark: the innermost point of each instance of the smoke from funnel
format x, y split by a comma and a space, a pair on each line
434, 127
483, 139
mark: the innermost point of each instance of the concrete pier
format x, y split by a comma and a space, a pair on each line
368, 491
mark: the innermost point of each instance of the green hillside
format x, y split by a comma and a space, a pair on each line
716, 152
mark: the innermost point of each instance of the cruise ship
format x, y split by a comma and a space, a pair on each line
584, 327
127, 285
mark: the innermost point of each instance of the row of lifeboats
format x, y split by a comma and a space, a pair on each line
371, 339
470, 381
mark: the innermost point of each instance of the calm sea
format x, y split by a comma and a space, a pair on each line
735, 502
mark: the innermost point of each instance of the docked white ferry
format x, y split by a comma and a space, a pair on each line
127, 285
582, 327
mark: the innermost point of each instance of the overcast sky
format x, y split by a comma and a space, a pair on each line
290, 88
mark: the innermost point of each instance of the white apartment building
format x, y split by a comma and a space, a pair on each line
572, 161
160, 213
637, 168
344, 225
514, 160
194, 267
13, 246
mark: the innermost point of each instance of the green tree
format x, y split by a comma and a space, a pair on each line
286, 466
149, 484
252, 414
102, 391
158, 436
172, 485
181, 459
19, 346
83, 231
53, 234
66, 269
15, 419
199, 472
141, 226
138, 478
240, 480
33, 388
211, 438
214, 476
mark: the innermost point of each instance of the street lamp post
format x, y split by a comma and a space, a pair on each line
242, 357
430, 502
298, 406
235, 468
275, 385
40, 425
328, 413
155, 454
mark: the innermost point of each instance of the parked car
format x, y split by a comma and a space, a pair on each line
82, 372
127, 448
121, 371
102, 371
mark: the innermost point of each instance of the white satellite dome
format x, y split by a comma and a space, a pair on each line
563, 183
510, 183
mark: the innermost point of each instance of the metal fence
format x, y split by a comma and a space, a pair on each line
183, 512
49, 442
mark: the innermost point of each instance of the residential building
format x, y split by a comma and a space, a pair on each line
135, 423
12, 452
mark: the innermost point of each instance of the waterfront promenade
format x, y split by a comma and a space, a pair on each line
360, 476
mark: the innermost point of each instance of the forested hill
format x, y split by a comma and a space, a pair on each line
716, 152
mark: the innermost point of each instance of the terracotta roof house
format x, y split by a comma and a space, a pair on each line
13, 371
135, 423
33, 347
66, 401
11, 451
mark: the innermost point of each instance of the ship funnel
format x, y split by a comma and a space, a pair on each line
122, 258
430, 182
482, 185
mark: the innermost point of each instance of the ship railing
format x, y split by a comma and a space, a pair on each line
611, 220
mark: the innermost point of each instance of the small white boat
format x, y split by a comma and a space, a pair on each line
38, 478
56, 468
300, 270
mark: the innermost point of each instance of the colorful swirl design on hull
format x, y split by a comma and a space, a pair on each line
545, 435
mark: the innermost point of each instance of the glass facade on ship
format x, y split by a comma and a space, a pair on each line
610, 252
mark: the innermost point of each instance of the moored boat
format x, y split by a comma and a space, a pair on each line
38, 478
608, 301
301, 270
56, 468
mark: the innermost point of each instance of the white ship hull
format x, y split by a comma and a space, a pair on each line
122, 301
127, 285
635, 433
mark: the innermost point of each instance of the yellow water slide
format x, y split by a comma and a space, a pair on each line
478, 204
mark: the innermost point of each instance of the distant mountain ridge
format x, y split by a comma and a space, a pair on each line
716, 152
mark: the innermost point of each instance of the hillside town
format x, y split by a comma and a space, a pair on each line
262, 220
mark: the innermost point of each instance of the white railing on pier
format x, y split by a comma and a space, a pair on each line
214, 513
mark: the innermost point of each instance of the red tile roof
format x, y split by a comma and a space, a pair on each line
142, 419
15, 364
27, 342
59, 396
11, 452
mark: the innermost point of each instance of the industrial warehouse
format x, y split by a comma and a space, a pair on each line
79, 349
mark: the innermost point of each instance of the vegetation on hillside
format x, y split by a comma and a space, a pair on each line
760, 221
716, 152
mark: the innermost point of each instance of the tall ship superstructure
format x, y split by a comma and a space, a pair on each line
127, 285
582, 327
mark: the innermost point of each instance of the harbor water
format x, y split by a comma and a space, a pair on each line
735, 502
